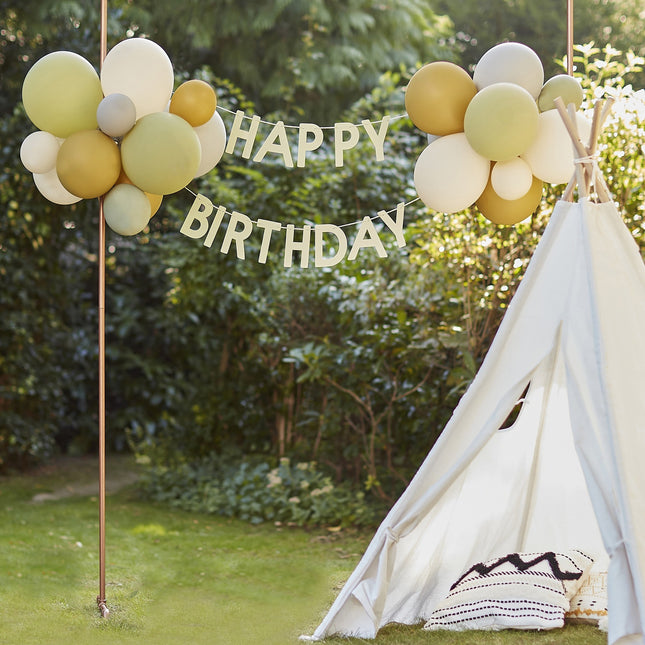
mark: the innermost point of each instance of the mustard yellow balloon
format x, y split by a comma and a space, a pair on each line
61, 93
501, 122
161, 153
508, 212
195, 101
88, 163
437, 97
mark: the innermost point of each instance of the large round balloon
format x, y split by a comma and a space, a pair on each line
437, 97
501, 121
195, 101
551, 154
38, 152
511, 179
88, 163
212, 137
449, 175
126, 209
564, 86
509, 212
116, 115
49, 186
140, 69
61, 93
510, 63
161, 153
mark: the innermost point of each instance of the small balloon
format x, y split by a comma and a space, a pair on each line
508, 212
140, 69
61, 93
161, 153
437, 97
155, 200
501, 121
212, 138
49, 186
126, 209
550, 156
510, 63
564, 86
511, 179
194, 101
449, 175
88, 163
116, 115
38, 152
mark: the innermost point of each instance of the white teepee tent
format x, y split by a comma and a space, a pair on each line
568, 474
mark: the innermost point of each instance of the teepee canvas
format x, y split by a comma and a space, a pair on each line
567, 474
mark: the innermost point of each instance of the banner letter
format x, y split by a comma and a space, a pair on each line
200, 210
340, 143
246, 135
217, 221
290, 246
395, 227
367, 237
276, 142
320, 260
232, 234
377, 139
268, 227
304, 144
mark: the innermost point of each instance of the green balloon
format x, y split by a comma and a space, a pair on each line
161, 154
501, 121
61, 93
564, 86
126, 209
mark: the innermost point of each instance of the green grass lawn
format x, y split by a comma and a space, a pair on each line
175, 577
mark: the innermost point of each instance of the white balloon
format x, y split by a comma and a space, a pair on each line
510, 63
38, 152
511, 179
126, 209
140, 69
212, 137
551, 154
50, 187
116, 115
449, 175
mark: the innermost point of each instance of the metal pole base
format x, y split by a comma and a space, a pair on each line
105, 612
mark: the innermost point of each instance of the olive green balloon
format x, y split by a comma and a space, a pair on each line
564, 86
161, 153
501, 121
61, 93
127, 209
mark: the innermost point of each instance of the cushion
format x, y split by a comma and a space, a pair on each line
516, 591
589, 605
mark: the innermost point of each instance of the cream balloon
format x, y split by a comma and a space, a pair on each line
140, 69
511, 179
212, 137
449, 175
551, 155
510, 63
50, 187
38, 152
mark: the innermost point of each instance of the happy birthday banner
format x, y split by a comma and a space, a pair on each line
129, 138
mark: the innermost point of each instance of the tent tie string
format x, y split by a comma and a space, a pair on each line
391, 535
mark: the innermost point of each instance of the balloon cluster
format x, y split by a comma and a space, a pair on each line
496, 137
123, 135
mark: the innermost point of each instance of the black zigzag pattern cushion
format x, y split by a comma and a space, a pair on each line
517, 591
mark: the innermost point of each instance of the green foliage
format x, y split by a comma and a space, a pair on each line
296, 494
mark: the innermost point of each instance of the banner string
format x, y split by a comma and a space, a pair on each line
322, 127
346, 225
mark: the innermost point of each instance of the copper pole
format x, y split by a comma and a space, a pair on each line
570, 37
105, 612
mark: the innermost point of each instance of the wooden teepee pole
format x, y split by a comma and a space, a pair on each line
101, 601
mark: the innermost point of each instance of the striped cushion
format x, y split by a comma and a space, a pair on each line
517, 591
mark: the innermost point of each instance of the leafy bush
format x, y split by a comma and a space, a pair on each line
289, 493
